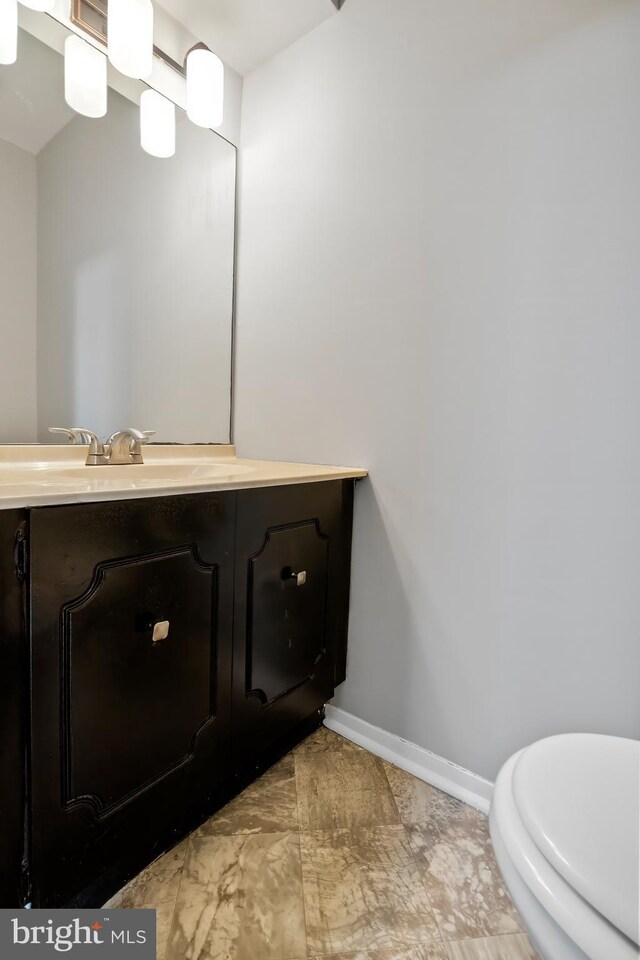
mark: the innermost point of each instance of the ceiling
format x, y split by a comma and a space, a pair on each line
245, 33
32, 105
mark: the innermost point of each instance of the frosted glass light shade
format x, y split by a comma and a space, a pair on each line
42, 6
8, 31
205, 88
130, 37
85, 78
157, 124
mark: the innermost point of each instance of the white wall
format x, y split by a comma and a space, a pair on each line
135, 282
438, 279
17, 294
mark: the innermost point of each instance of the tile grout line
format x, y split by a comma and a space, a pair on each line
488, 936
395, 802
492, 937
413, 857
405, 827
175, 902
304, 904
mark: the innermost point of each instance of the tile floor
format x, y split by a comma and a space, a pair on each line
337, 854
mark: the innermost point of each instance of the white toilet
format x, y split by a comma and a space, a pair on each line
565, 826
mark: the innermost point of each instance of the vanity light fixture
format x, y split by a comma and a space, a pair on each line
157, 124
42, 6
205, 87
8, 31
130, 37
126, 27
85, 77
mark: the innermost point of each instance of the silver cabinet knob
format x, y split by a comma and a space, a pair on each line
288, 574
160, 630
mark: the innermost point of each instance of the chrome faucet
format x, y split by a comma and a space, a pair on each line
125, 446
122, 447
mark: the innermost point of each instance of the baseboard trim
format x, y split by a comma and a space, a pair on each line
427, 766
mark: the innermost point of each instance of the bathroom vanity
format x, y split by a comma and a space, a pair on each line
163, 641
168, 629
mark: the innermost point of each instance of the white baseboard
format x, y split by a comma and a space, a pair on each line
427, 766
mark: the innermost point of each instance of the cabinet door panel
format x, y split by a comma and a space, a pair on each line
286, 622
134, 707
291, 608
130, 724
13, 714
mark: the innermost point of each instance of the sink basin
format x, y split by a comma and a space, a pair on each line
153, 472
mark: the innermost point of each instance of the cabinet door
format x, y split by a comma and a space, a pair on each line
131, 672
293, 550
13, 713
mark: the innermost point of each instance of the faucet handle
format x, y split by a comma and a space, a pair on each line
96, 455
75, 434
139, 437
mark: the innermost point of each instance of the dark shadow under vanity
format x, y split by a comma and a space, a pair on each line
178, 646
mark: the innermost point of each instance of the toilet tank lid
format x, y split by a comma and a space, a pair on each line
579, 798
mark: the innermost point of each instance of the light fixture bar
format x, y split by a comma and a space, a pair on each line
91, 17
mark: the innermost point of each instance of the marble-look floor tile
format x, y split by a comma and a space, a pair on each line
516, 947
342, 788
362, 891
158, 883
419, 802
325, 739
429, 951
240, 899
164, 917
461, 877
267, 806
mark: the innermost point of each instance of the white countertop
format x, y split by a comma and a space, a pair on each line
43, 475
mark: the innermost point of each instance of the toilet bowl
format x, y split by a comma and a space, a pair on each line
565, 828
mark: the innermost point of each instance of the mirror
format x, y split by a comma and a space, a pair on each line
116, 268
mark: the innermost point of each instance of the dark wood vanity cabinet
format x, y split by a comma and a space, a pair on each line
130, 727
177, 646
